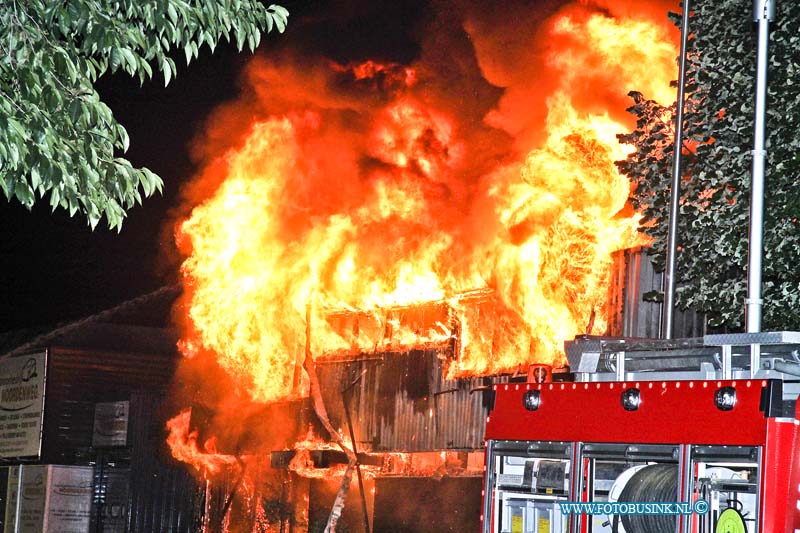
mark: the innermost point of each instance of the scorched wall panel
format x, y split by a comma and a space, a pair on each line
400, 402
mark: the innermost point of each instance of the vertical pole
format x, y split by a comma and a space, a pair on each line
675, 192
764, 12
207, 505
101, 490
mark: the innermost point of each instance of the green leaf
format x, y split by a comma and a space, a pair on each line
17, 127
115, 59
241, 35
145, 66
166, 70
24, 194
13, 150
129, 57
144, 182
173, 15
279, 10
124, 138
94, 218
36, 179
280, 23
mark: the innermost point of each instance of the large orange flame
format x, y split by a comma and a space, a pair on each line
183, 445
364, 207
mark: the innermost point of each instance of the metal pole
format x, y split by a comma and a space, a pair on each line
675, 192
763, 13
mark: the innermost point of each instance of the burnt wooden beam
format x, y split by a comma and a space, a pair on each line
324, 458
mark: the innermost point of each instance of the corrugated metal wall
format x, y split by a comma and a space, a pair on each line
633, 277
163, 494
402, 403
77, 379
140, 480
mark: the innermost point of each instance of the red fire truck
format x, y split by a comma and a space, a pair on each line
707, 424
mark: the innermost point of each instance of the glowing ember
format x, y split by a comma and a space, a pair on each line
303, 464
394, 464
370, 205
387, 75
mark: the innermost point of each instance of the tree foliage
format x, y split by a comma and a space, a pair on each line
716, 169
57, 138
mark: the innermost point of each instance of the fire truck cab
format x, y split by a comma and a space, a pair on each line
692, 435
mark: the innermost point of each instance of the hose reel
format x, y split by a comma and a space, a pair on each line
653, 483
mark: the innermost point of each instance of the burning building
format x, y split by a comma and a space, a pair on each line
370, 245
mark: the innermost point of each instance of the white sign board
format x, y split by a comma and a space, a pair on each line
32, 497
55, 499
69, 502
21, 404
110, 424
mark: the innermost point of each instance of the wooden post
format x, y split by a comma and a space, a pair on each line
322, 414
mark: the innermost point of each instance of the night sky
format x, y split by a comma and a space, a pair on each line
55, 269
